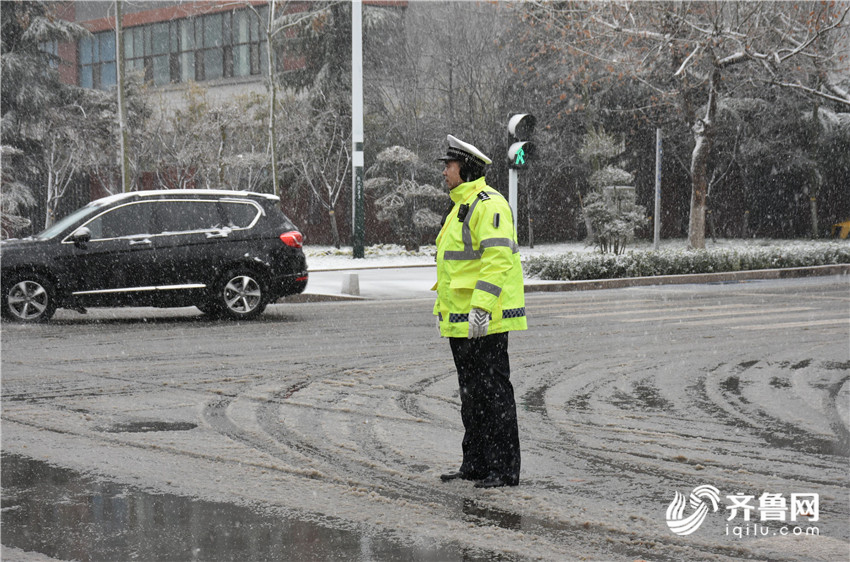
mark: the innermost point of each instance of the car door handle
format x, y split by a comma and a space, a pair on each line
137, 241
218, 234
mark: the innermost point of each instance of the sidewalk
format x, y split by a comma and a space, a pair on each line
378, 283
415, 281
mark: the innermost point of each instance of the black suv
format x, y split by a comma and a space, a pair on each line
229, 253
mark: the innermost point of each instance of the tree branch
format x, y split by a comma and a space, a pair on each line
797, 86
800, 46
734, 58
734, 158
688, 59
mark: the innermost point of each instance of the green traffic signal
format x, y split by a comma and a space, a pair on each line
521, 149
520, 154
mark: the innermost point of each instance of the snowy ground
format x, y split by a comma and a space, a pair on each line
344, 414
624, 398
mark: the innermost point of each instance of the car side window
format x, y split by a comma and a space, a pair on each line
240, 215
133, 219
187, 216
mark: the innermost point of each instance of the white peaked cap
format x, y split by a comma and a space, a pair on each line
463, 151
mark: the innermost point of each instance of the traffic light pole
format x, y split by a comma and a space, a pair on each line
520, 149
512, 193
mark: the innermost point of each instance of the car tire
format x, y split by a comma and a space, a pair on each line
28, 298
240, 294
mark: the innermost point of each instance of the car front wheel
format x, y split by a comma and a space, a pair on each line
240, 295
29, 298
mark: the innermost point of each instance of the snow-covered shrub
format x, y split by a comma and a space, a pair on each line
408, 205
646, 263
610, 175
609, 209
614, 221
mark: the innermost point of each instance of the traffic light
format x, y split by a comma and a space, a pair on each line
520, 147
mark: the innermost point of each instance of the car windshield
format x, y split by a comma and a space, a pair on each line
61, 225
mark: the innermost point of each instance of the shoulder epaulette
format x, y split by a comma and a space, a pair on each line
483, 196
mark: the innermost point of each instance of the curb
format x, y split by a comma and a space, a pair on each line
694, 278
320, 297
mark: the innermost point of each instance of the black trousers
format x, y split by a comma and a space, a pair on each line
488, 409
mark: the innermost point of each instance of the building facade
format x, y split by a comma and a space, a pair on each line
222, 46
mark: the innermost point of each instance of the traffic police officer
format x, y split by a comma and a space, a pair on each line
479, 300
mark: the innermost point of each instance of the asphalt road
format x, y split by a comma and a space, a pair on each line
343, 414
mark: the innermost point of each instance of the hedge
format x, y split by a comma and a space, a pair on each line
575, 266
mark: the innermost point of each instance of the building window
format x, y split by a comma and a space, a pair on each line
207, 47
159, 54
212, 48
186, 50
97, 61
243, 26
52, 50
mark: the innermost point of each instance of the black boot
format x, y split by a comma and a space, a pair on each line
458, 475
496, 481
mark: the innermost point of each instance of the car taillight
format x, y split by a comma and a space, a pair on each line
293, 238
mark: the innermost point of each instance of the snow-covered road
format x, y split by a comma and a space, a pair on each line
344, 414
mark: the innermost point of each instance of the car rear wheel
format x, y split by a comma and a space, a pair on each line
240, 294
28, 298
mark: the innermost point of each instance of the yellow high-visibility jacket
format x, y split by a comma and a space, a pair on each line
478, 263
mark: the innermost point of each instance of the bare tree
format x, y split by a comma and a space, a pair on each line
183, 142
326, 165
75, 135
433, 79
280, 17
61, 166
692, 53
193, 142
245, 161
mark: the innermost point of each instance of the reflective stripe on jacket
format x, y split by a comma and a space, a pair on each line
478, 263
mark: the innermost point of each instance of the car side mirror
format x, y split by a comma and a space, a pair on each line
81, 237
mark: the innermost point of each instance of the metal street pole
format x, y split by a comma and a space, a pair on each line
358, 205
657, 213
122, 104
